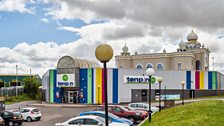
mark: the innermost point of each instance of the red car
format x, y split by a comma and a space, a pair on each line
121, 111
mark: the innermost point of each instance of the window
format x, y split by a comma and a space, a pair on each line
140, 106
139, 66
77, 122
149, 65
159, 66
179, 66
91, 122
133, 105
198, 65
116, 109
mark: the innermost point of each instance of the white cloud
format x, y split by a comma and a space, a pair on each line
17, 6
148, 26
44, 20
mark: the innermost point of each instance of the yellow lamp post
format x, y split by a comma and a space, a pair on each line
104, 53
160, 79
182, 84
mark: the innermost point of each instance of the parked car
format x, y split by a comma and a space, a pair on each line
12, 118
143, 106
87, 121
120, 111
142, 111
2, 122
30, 114
111, 117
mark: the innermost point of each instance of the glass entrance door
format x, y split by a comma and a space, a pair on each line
72, 96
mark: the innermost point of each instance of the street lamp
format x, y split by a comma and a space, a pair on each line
104, 53
160, 79
16, 79
182, 83
150, 72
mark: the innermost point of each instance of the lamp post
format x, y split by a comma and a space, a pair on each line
182, 83
213, 63
150, 72
30, 73
104, 53
16, 79
160, 79
98, 87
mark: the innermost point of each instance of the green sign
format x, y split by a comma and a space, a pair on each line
153, 80
65, 77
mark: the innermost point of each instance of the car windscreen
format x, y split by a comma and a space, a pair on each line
101, 119
35, 110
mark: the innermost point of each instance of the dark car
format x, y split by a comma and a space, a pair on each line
120, 111
11, 118
2, 122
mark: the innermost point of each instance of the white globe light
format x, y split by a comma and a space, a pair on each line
149, 71
159, 79
182, 83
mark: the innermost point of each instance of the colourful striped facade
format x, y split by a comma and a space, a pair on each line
92, 85
200, 80
91, 80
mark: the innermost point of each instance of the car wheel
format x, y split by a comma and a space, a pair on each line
11, 123
28, 119
132, 119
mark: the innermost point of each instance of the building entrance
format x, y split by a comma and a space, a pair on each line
73, 96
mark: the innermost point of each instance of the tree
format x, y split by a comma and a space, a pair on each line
31, 87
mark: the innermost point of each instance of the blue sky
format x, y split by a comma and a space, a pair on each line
18, 27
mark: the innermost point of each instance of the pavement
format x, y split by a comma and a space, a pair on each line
58, 105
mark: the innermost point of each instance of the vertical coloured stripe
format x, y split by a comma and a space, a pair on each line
89, 86
209, 80
197, 79
103, 84
83, 83
214, 82
188, 76
92, 85
98, 85
202, 80
57, 90
115, 86
51, 86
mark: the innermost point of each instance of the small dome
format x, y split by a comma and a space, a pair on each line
125, 48
192, 36
182, 44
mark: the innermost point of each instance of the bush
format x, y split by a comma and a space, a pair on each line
31, 87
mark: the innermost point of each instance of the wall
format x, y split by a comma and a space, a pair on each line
45, 85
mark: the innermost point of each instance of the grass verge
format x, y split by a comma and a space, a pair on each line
202, 113
19, 98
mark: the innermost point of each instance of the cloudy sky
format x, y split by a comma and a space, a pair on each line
34, 34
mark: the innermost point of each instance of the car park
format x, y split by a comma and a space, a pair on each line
12, 118
143, 106
30, 114
89, 120
120, 111
111, 117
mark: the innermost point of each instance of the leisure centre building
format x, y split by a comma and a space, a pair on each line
81, 81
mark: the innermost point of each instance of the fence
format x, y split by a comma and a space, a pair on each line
11, 91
